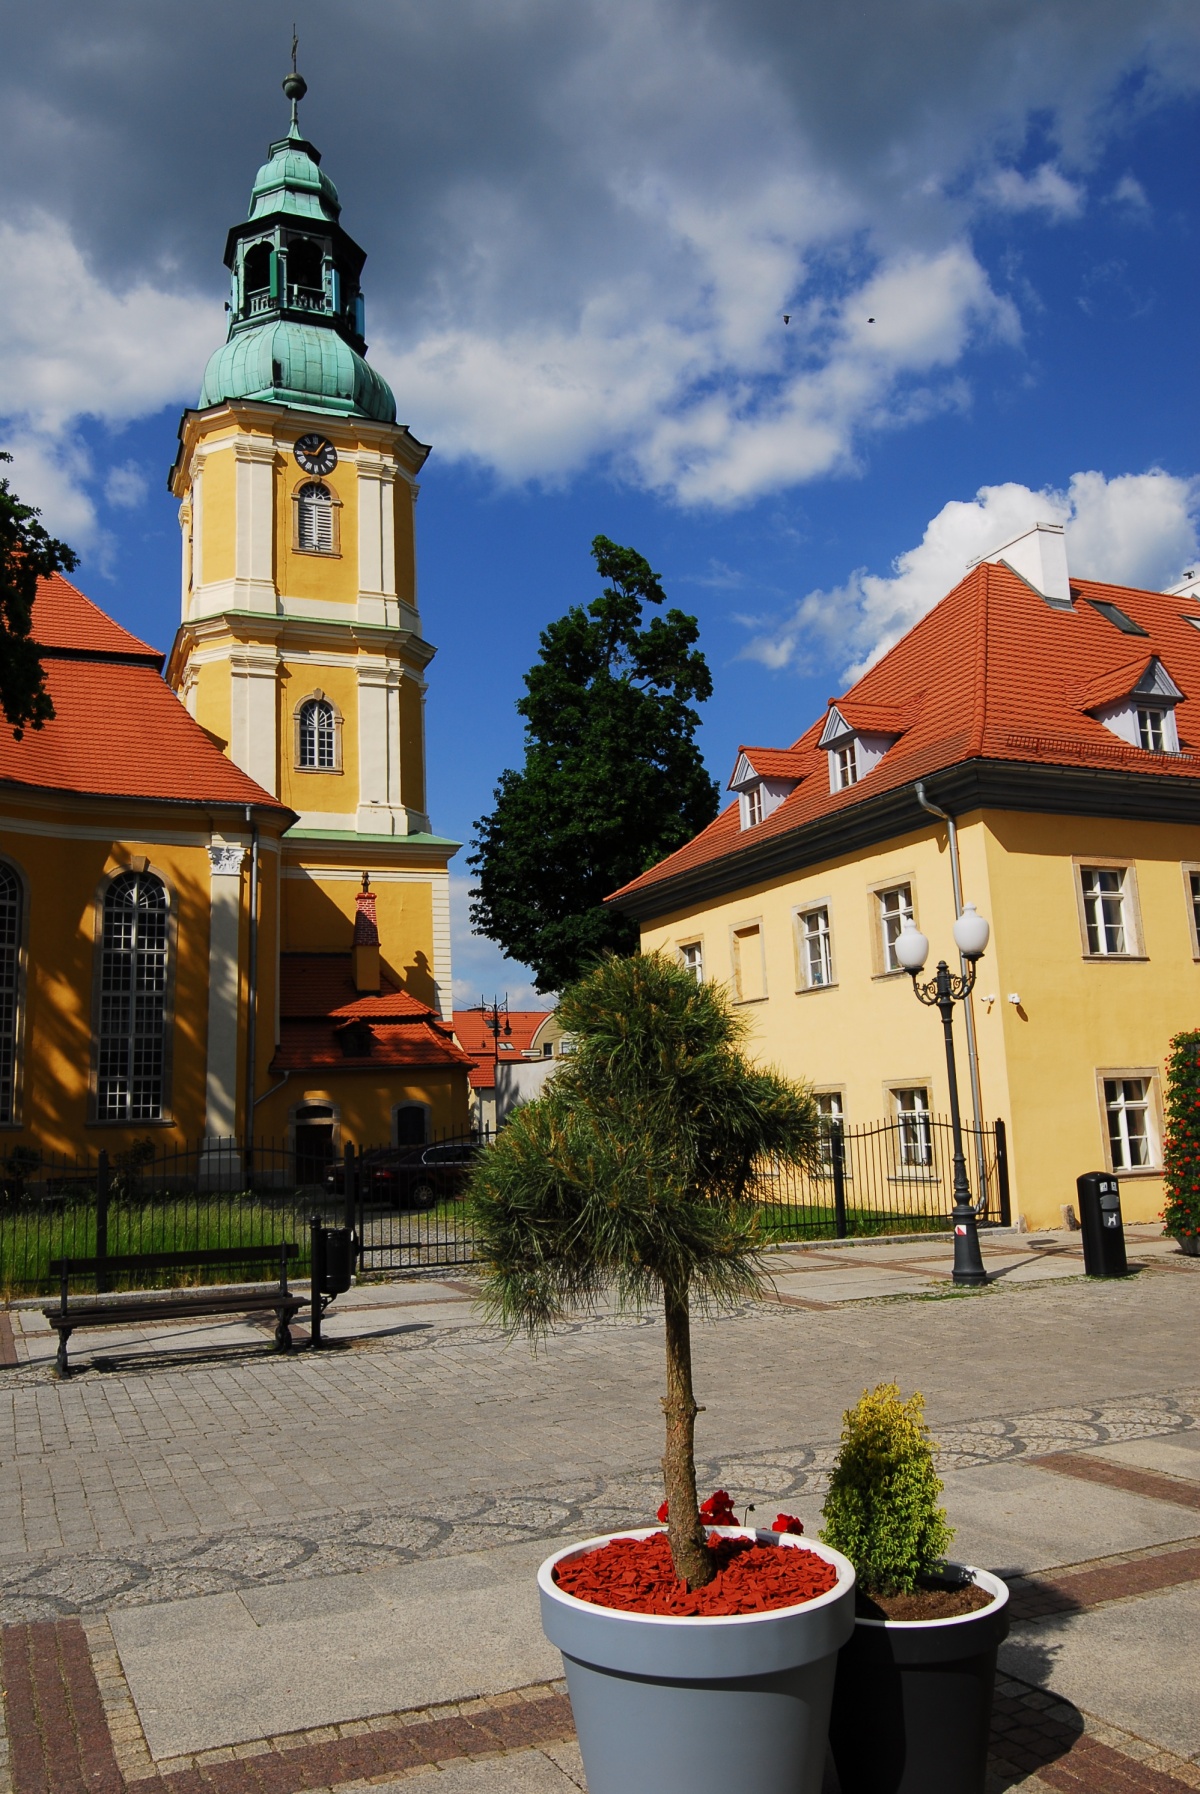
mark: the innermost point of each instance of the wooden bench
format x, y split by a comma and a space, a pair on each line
158, 1304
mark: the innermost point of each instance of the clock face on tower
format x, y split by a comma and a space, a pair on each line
315, 454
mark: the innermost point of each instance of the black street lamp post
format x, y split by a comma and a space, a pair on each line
941, 992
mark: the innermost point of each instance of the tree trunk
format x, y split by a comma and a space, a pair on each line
690, 1555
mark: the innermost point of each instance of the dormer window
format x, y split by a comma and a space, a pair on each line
845, 765
1137, 704
855, 739
763, 778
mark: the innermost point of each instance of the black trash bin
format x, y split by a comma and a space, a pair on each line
1101, 1224
333, 1260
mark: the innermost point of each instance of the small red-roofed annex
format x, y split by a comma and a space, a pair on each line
1043, 730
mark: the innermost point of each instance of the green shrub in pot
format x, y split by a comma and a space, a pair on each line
882, 1509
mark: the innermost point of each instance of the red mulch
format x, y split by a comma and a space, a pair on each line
637, 1576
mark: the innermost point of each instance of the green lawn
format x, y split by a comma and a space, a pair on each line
784, 1221
30, 1238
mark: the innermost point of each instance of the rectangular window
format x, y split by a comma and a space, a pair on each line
691, 955
1104, 909
1193, 879
754, 807
845, 766
1150, 731
1131, 1142
915, 1133
830, 1109
894, 905
749, 982
814, 948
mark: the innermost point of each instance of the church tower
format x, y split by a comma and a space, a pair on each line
300, 649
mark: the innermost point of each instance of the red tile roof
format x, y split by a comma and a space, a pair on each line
476, 1039
326, 1023
118, 729
773, 763
995, 673
1111, 687
64, 618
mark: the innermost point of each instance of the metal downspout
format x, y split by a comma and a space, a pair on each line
968, 1006
252, 982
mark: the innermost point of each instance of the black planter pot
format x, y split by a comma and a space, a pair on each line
912, 1703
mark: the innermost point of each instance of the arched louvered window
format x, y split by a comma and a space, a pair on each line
10, 968
133, 999
314, 518
318, 735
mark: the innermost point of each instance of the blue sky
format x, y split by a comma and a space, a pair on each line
584, 225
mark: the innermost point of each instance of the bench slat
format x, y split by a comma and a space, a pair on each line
157, 1261
79, 1313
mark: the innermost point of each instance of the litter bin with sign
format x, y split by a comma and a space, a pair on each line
1101, 1224
333, 1260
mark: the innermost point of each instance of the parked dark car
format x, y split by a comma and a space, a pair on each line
409, 1176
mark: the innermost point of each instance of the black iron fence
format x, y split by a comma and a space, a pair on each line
406, 1204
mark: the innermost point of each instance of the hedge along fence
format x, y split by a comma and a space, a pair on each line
1181, 1148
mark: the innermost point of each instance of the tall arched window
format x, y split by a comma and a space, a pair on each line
314, 518
133, 999
318, 735
10, 968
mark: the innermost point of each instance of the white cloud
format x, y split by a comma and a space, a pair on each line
1135, 529
126, 486
71, 345
1130, 194
1047, 189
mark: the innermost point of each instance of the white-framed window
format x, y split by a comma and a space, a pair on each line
915, 1135
1151, 724
814, 947
749, 971
691, 957
317, 736
830, 1108
1192, 878
133, 999
895, 903
754, 807
1128, 1113
845, 765
316, 521
10, 971
1106, 917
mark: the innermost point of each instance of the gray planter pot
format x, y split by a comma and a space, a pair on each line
913, 1701
1190, 1244
668, 1705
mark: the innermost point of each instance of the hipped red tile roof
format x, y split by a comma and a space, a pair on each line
118, 729
325, 1023
993, 672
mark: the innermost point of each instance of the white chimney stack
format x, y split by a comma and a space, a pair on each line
1188, 586
1040, 556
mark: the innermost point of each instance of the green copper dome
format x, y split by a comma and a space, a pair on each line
308, 366
296, 311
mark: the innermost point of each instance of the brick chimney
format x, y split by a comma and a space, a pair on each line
366, 941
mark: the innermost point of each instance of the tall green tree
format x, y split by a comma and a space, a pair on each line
638, 1172
27, 554
612, 781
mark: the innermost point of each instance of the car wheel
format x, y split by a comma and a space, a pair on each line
422, 1194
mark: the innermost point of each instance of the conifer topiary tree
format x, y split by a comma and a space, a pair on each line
1181, 1150
882, 1508
637, 1172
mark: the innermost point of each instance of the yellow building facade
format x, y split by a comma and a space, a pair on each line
1080, 846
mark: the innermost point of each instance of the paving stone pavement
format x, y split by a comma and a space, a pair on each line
169, 1482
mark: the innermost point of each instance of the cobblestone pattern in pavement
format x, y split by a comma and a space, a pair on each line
61, 1743
60, 1583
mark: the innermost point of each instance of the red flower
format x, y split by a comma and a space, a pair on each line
718, 1509
662, 1513
787, 1523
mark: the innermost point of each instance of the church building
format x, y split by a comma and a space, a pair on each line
223, 909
